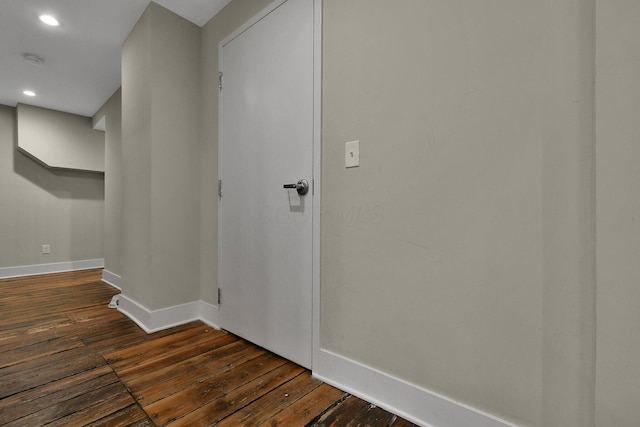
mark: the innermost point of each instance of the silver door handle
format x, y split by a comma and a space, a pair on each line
302, 186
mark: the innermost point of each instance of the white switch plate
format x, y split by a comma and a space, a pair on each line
352, 154
46, 249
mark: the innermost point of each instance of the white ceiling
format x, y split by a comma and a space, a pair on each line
81, 67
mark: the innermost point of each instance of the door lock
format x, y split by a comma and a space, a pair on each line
302, 186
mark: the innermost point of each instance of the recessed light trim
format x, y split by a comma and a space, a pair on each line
29, 92
49, 20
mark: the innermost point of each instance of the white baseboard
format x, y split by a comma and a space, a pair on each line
156, 320
112, 279
416, 404
56, 267
209, 314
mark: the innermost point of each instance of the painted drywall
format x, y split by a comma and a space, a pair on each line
113, 185
136, 161
38, 205
459, 255
231, 17
618, 213
160, 167
59, 139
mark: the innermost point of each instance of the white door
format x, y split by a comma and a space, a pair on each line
266, 142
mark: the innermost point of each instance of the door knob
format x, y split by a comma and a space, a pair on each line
302, 186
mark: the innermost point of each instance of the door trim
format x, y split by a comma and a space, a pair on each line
317, 181
317, 155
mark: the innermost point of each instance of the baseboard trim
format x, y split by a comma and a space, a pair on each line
414, 403
112, 279
209, 314
56, 267
156, 320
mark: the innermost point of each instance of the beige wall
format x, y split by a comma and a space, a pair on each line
161, 149
618, 213
225, 22
136, 162
59, 139
459, 255
43, 206
113, 185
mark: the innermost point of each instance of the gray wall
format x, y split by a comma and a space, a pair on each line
136, 162
113, 185
160, 169
459, 255
59, 139
618, 213
43, 206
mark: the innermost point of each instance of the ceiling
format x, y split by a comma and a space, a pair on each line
80, 66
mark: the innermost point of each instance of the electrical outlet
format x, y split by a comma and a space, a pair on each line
46, 249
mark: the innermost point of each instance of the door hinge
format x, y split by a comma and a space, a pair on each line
220, 189
219, 296
219, 80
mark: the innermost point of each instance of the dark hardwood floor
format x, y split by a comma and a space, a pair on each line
68, 360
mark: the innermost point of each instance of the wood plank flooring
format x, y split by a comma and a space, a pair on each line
68, 360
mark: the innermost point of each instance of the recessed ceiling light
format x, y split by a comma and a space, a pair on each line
29, 92
49, 20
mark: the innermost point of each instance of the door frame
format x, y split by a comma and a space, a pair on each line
316, 186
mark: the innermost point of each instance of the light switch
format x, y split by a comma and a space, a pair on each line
352, 154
